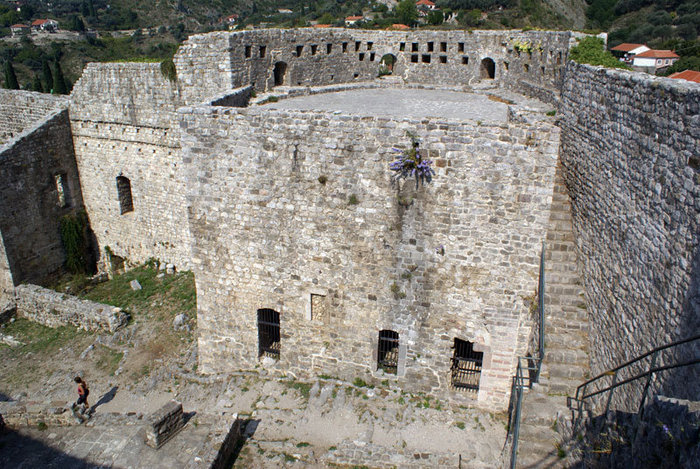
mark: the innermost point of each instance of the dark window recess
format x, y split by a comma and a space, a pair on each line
268, 333
299, 50
443, 47
526, 67
425, 58
460, 47
388, 351
443, 59
329, 48
430, 47
247, 51
466, 366
505, 65
488, 69
62, 190
362, 56
345, 47
357, 45
355, 75
263, 49
402, 46
414, 47
465, 60
126, 203
314, 47
414, 58
369, 45
371, 57
542, 69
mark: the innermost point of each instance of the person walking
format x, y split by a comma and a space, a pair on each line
83, 393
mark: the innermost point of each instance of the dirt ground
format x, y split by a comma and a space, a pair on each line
292, 423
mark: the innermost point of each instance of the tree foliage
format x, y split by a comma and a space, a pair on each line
10, 77
592, 51
406, 12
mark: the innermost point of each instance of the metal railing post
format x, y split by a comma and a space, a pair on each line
652, 364
540, 304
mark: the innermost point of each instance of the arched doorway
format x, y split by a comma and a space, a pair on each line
280, 71
386, 64
488, 69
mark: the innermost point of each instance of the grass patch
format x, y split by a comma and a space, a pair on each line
303, 444
360, 383
42, 340
460, 425
107, 359
41, 426
303, 388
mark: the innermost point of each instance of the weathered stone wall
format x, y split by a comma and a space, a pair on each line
163, 424
319, 57
268, 234
124, 123
20, 110
54, 309
630, 150
31, 210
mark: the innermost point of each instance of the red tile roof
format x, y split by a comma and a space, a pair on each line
690, 75
322, 26
626, 47
658, 54
38, 22
353, 18
398, 26
19, 26
425, 2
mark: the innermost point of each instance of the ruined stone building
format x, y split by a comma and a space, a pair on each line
263, 167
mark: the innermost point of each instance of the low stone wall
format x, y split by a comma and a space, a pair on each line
164, 423
220, 444
54, 309
30, 413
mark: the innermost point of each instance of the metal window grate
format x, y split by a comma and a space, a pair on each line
268, 333
466, 366
388, 351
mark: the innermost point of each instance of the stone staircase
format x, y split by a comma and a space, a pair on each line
566, 363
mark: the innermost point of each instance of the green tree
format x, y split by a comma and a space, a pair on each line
76, 24
59, 82
47, 76
36, 84
591, 51
406, 12
435, 17
10, 77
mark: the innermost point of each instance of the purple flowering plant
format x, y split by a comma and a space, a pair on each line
410, 163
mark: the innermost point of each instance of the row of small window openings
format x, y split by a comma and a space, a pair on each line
425, 58
430, 47
262, 50
465, 370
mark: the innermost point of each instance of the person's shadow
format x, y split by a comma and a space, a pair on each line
108, 396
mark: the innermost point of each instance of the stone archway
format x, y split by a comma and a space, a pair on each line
488, 69
386, 64
280, 73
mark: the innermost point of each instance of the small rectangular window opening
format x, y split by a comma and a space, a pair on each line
388, 351
465, 60
62, 190
443, 59
362, 56
126, 203
263, 49
402, 46
414, 58
430, 47
466, 366
299, 50
414, 47
425, 58
268, 333
314, 47
460, 47
357, 45
371, 57
505, 65
526, 67
443, 47
345, 47
369, 45
247, 51
329, 48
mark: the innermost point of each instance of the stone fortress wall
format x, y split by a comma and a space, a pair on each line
267, 234
20, 110
630, 149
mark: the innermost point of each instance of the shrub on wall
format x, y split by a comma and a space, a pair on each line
592, 51
410, 163
167, 68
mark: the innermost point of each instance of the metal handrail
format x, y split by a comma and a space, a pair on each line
614, 371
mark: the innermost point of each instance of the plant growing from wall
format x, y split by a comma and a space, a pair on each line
410, 163
74, 234
168, 70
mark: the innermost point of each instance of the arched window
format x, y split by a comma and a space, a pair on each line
268, 333
466, 365
488, 69
126, 203
388, 351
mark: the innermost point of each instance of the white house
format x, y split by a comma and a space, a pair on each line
45, 25
352, 20
655, 58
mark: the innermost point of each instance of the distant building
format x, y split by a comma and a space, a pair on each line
425, 5
655, 58
352, 20
285, 11
45, 25
398, 27
690, 75
626, 52
322, 26
18, 30
230, 20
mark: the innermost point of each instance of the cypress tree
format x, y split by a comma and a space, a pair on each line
47, 76
36, 84
59, 82
10, 77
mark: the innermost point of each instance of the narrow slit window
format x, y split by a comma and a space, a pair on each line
460, 47
369, 45
263, 50
300, 49
268, 333
371, 57
430, 47
466, 366
126, 203
388, 351
329, 48
314, 47
361, 56
345, 47
402, 46
62, 190
357, 45
247, 51
443, 47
